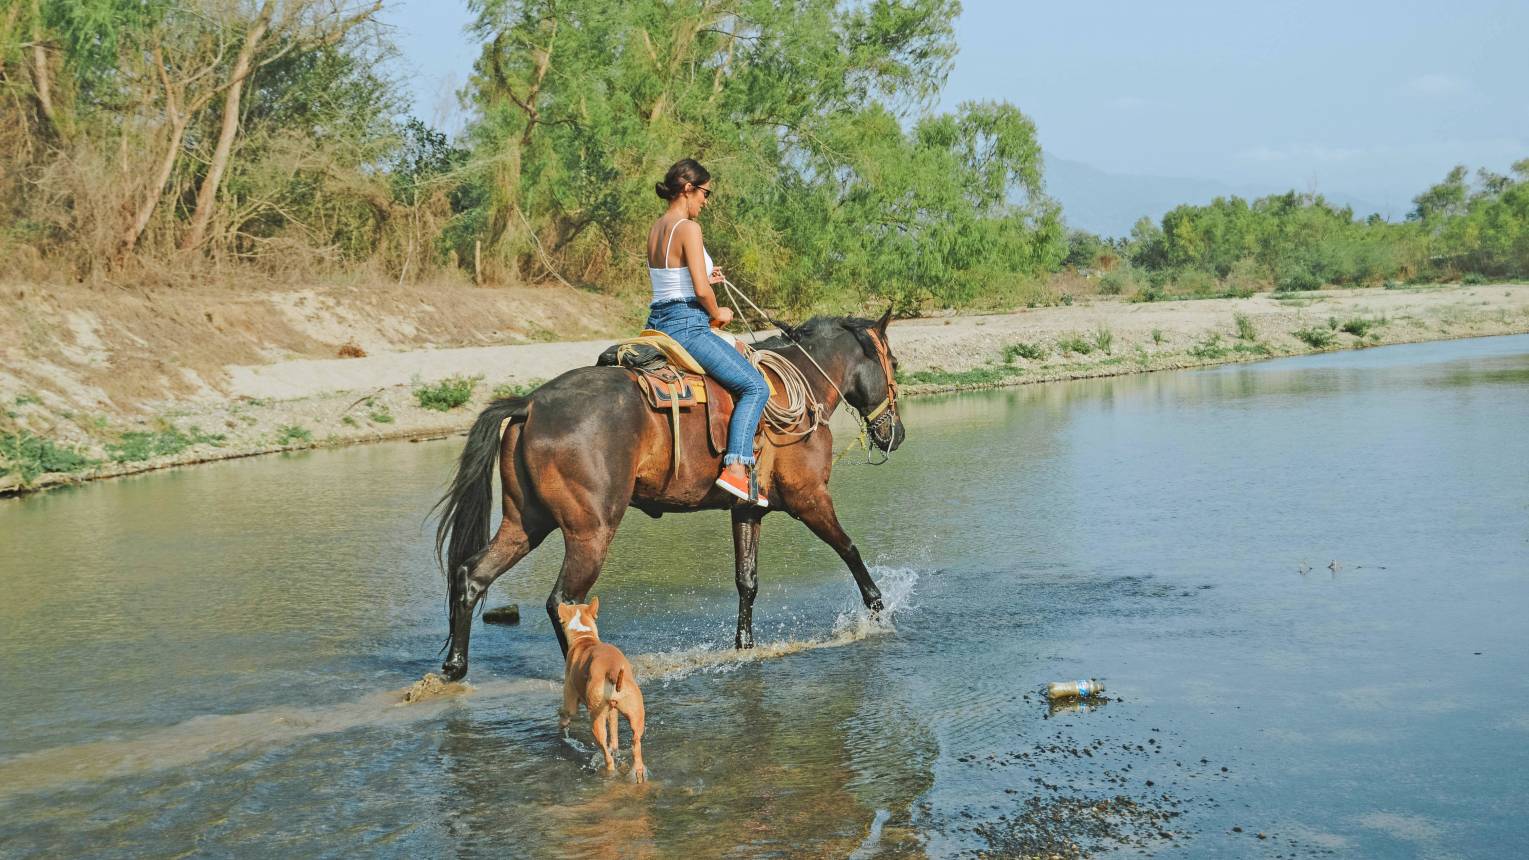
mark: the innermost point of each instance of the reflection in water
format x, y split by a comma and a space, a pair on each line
210, 660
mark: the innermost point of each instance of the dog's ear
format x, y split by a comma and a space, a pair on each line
564, 612
594, 607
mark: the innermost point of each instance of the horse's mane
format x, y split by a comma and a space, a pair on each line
815, 330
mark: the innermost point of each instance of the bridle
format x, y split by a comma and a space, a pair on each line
871, 420
885, 413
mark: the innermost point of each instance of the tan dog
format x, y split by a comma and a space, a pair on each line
598, 675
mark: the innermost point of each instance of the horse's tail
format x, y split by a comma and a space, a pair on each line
468, 505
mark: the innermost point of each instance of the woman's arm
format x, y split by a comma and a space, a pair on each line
695, 261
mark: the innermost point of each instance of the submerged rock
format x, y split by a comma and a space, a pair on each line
507, 615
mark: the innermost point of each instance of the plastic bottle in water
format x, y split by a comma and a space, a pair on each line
1084, 689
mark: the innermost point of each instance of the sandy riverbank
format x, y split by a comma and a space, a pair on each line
234, 375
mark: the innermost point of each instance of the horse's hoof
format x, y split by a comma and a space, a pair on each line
875, 607
454, 670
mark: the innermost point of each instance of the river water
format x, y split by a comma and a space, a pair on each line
209, 661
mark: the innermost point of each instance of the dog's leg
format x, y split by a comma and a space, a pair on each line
614, 729
600, 724
635, 718
570, 707
746, 522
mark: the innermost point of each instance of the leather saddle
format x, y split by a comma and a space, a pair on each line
672, 381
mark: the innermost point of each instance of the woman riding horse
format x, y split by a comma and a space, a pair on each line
685, 308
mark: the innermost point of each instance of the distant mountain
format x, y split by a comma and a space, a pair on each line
1109, 203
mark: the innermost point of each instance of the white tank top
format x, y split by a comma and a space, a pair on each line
675, 283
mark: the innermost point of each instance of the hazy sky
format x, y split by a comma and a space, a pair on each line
1376, 99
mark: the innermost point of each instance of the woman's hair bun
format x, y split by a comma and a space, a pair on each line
686, 170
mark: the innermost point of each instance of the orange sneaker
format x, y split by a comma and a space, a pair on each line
740, 488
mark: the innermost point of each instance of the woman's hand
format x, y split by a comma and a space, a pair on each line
716, 276
723, 317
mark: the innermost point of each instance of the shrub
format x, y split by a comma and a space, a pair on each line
1157, 336
1473, 279
1209, 347
292, 434
351, 349
1028, 351
1245, 330
448, 394
1074, 343
1245, 278
381, 415
1316, 338
1103, 339
1358, 326
29, 455
1297, 280
1119, 281
1149, 293
1197, 283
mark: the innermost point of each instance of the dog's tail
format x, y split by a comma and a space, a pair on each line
615, 677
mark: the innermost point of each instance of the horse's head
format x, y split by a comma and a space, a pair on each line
866, 369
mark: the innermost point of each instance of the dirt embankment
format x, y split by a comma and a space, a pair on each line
133, 380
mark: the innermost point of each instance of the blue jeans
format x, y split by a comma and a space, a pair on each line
687, 323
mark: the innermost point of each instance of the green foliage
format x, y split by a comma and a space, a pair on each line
1023, 350
293, 434
1316, 338
1075, 343
1359, 326
833, 188
1157, 336
1119, 281
1473, 279
1245, 329
28, 455
975, 376
381, 415
1103, 339
511, 389
447, 394
1209, 347
138, 445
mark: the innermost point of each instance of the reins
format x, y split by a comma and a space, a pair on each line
799, 398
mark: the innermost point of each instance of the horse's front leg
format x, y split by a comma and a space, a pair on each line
746, 523
817, 513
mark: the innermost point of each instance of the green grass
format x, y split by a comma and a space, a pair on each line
1316, 338
448, 394
1209, 347
349, 421
292, 434
510, 389
381, 415
1074, 343
1022, 350
28, 455
1245, 329
976, 376
27, 399
1157, 336
1359, 326
1103, 339
137, 445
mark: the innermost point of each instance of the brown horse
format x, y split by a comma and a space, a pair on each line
576, 452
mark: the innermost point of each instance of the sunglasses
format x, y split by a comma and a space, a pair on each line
705, 192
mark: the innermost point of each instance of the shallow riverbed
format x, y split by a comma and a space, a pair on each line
209, 661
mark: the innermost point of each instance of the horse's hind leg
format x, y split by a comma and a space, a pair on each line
583, 556
470, 581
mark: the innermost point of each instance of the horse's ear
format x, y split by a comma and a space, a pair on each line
881, 324
594, 607
786, 328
